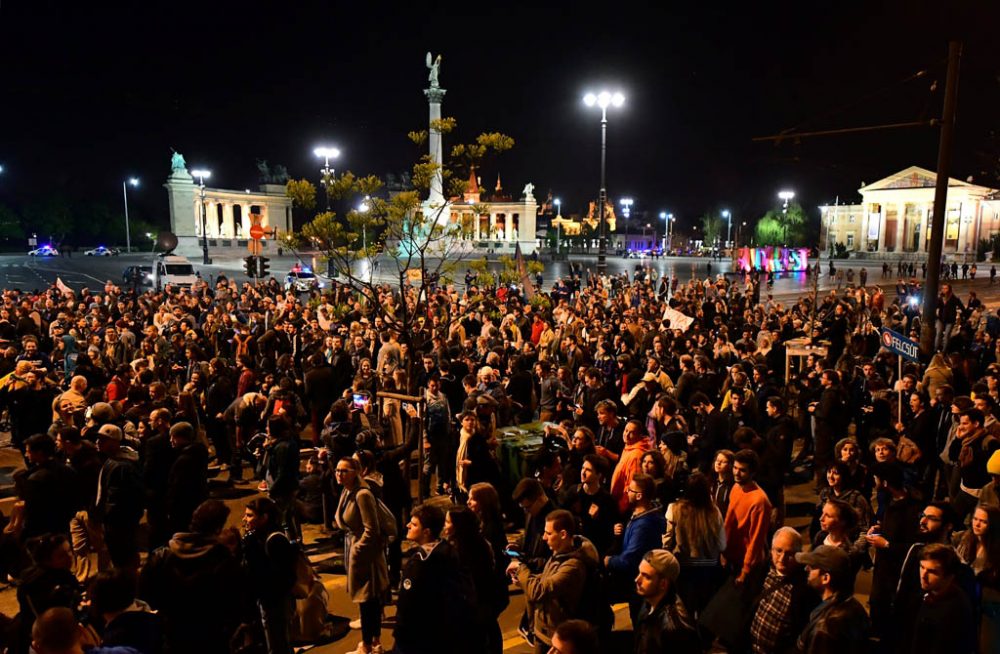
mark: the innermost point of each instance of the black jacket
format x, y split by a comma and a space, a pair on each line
187, 485
193, 582
49, 500
666, 629
436, 602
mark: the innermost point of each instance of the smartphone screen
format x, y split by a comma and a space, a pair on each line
361, 400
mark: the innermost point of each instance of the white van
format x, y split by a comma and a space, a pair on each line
174, 270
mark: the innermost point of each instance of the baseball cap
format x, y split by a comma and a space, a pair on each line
113, 432
102, 412
827, 558
665, 564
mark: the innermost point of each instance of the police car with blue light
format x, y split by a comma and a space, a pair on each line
302, 279
101, 251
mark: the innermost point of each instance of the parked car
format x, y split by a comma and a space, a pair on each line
301, 280
145, 274
101, 251
44, 251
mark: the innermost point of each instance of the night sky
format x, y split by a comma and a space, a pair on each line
91, 93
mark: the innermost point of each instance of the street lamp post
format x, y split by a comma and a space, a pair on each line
327, 154
729, 229
604, 99
134, 181
558, 204
785, 197
202, 175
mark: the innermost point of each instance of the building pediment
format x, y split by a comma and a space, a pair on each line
916, 177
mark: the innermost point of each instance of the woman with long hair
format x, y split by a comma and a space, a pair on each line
723, 483
979, 547
654, 465
364, 551
484, 501
696, 535
581, 443
673, 447
462, 529
839, 527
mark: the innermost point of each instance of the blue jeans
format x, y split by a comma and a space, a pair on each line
942, 335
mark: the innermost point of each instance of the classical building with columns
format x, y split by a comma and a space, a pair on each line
496, 224
893, 219
227, 214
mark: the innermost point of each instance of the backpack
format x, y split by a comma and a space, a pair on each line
437, 419
386, 520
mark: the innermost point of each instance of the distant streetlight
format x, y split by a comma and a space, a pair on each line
729, 230
604, 99
785, 197
669, 229
134, 181
558, 204
327, 154
203, 174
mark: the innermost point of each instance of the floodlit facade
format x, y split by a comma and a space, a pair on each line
893, 219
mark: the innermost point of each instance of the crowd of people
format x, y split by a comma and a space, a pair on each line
659, 484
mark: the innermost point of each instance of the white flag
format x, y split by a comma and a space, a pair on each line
65, 290
677, 319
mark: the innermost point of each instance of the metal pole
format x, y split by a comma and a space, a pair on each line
602, 246
204, 227
940, 199
729, 231
128, 237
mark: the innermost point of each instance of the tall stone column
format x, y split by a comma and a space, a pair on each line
434, 97
900, 227
228, 229
924, 221
196, 216
508, 224
212, 209
881, 229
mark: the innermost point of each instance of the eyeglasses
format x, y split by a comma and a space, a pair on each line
924, 516
632, 491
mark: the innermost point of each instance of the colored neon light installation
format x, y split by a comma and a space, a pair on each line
772, 258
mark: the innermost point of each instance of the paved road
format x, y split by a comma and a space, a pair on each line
21, 271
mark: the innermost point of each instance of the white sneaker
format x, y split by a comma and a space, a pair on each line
355, 623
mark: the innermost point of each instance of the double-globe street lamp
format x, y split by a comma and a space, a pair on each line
134, 181
202, 174
669, 230
327, 153
558, 204
604, 99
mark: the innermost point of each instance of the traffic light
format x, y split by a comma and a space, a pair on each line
262, 269
249, 265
